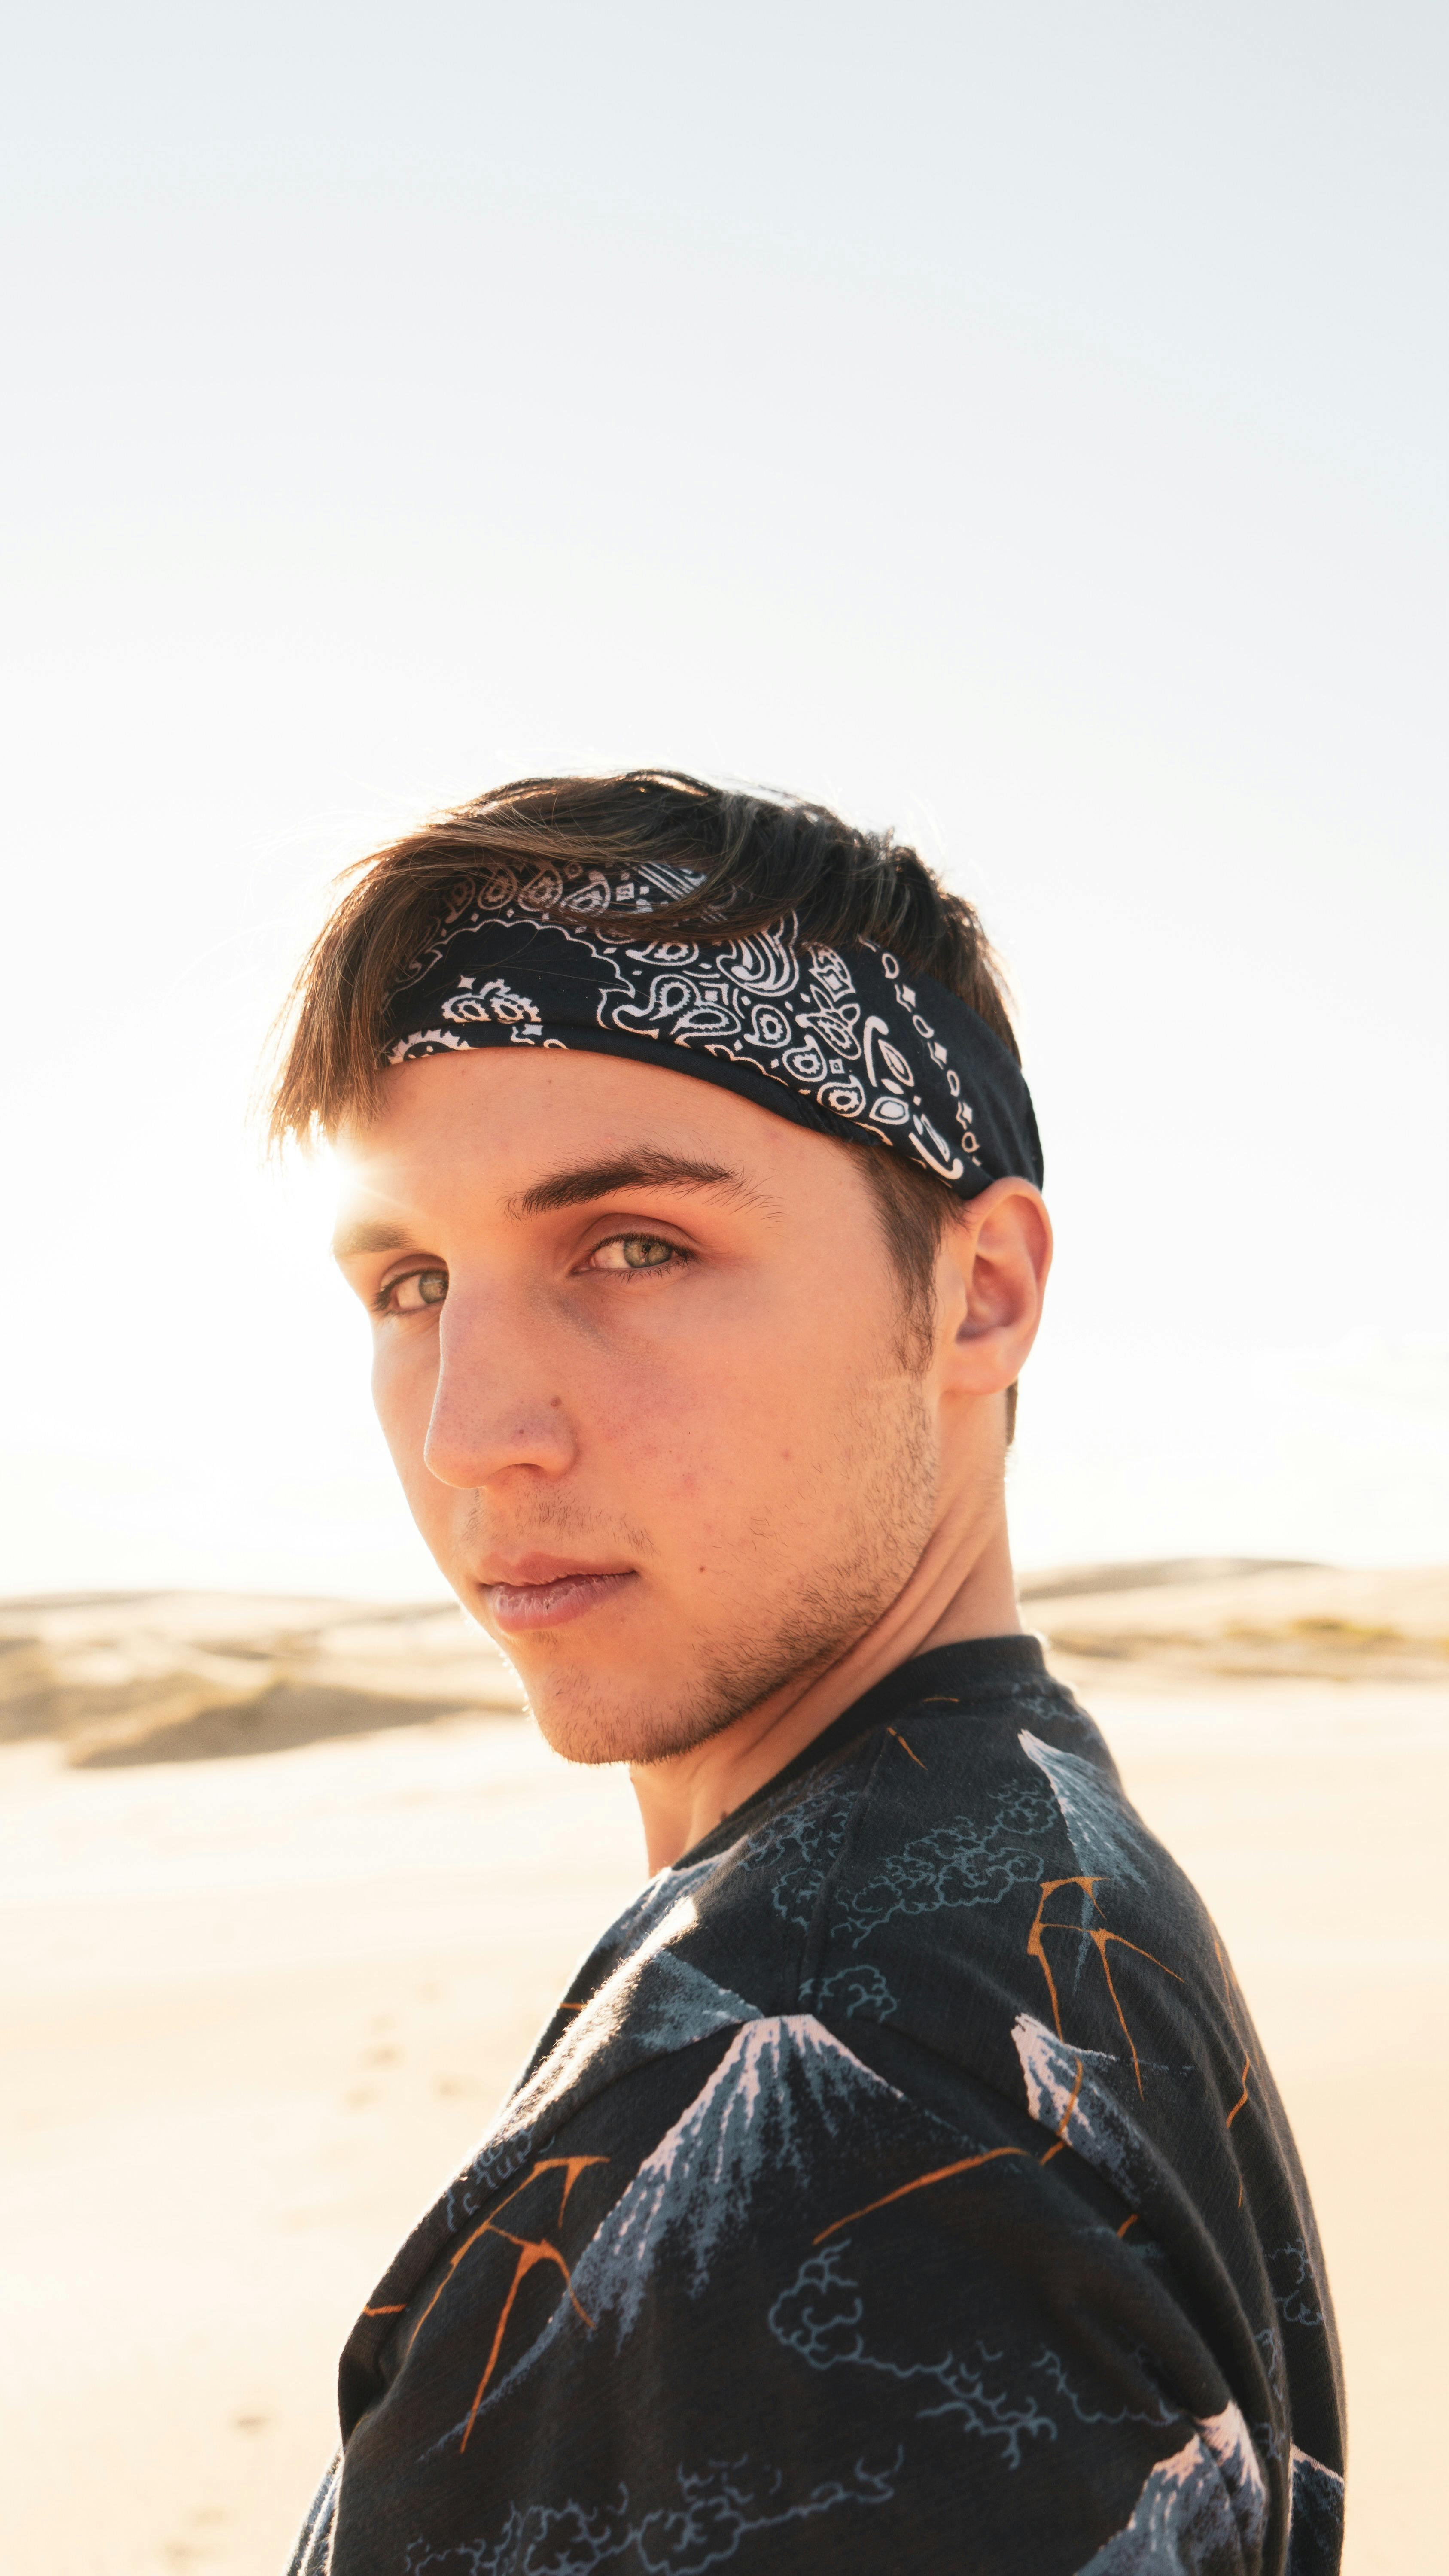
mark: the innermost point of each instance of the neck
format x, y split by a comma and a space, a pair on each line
685, 1797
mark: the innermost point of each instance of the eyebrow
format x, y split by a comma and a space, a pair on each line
367, 1236
649, 1168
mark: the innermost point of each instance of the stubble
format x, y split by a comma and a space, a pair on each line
793, 1611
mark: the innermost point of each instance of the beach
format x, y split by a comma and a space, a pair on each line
258, 2003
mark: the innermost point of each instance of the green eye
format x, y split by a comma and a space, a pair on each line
409, 1295
636, 1252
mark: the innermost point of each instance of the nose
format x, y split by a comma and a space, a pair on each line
497, 1407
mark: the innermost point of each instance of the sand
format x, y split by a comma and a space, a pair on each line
257, 2005
130, 1677
122, 1678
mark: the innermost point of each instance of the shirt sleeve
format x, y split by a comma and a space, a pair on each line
756, 2305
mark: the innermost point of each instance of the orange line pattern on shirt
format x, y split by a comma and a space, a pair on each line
1099, 1935
942, 2173
1228, 1999
1241, 2103
905, 1748
530, 2250
967, 2164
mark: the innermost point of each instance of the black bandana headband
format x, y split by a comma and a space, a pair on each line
849, 1043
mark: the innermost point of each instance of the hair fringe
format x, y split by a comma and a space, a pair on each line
757, 857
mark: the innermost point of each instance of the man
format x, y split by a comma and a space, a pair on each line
899, 2185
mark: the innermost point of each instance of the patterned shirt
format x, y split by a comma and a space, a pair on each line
898, 2187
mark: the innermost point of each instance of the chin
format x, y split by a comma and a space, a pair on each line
582, 1718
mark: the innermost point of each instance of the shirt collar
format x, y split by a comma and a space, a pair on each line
976, 1668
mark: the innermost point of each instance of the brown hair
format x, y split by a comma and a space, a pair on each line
752, 857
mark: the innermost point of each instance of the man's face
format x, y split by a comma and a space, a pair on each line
641, 1361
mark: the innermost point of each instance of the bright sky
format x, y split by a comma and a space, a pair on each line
1024, 425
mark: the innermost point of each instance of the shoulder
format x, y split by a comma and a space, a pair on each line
937, 1870
997, 1877
1000, 1920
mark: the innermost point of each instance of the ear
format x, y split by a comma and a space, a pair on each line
990, 1282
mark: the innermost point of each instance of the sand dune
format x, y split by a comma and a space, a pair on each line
121, 1678
1210, 1618
175, 1676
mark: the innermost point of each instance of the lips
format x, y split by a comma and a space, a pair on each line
555, 1599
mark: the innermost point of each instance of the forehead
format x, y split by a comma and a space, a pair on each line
489, 1123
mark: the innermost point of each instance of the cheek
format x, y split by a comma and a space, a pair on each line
717, 1429
404, 1382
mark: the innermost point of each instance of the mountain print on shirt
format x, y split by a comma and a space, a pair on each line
784, 2096
898, 2186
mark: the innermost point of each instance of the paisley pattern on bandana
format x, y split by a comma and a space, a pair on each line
853, 1044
